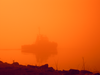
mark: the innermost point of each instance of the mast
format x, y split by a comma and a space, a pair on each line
39, 33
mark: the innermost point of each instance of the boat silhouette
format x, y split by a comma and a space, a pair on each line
42, 48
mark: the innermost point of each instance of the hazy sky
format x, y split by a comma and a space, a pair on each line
73, 24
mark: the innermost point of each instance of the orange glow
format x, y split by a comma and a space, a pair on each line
73, 24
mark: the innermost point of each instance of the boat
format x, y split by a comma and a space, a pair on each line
42, 48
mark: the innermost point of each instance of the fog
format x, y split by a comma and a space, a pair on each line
73, 24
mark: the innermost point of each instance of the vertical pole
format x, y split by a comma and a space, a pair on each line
83, 63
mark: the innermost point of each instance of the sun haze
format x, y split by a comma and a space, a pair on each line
73, 24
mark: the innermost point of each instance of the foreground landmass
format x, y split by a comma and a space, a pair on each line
16, 69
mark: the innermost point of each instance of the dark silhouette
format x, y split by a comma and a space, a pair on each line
73, 71
16, 69
42, 48
85, 72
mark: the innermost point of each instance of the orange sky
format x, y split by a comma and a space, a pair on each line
73, 24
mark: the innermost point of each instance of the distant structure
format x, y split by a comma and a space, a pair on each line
42, 48
83, 63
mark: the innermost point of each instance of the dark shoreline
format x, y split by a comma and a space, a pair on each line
16, 69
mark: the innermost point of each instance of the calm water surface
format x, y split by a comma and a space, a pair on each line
71, 61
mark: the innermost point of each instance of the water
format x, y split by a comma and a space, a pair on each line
63, 60
17, 56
